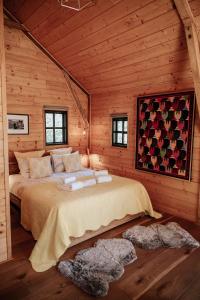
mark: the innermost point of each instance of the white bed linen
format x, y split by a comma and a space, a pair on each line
16, 179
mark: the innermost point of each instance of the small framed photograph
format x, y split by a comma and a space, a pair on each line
18, 124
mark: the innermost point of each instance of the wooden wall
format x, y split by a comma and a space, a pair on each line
5, 250
170, 195
34, 81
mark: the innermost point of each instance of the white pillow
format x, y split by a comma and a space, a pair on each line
23, 163
61, 151
57, 162
72, 162
40, 167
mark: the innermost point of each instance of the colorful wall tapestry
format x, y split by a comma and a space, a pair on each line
164, 133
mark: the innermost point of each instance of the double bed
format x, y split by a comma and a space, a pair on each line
59, 219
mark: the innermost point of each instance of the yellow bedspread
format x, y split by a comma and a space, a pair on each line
53, 215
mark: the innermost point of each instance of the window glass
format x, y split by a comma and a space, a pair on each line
125, 125
119, 138
58, 120
49, 136
125, 138
49, 120
119, 125
58, 135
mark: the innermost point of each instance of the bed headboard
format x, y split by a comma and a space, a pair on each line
13, 166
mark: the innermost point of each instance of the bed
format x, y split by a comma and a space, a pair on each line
59, 219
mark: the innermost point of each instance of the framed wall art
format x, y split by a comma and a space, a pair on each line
18, 124
164, 133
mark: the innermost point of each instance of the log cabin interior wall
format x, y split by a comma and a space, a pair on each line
34, 81
119, 50
5, 249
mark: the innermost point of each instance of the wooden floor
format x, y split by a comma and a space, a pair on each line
158, 274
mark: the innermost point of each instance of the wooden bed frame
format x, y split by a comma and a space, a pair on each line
88, 234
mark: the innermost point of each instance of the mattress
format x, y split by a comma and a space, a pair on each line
55, 216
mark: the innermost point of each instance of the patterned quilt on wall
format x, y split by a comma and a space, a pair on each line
164, 133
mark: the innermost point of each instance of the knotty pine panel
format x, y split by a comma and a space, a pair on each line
33, 81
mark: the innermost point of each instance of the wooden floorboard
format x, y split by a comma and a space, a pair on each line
157, 274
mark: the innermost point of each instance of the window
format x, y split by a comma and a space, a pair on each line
120, 131
56, 127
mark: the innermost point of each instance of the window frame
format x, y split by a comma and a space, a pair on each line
123, 132
64, 127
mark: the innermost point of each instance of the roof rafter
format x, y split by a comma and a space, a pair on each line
192, 39
191, 33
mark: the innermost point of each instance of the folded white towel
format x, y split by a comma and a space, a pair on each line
72, 186
89, 182
106, 178
101, 173
76, 185
67, 180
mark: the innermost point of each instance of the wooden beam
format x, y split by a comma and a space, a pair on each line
191, 33
12, 24
77, 101
4, 176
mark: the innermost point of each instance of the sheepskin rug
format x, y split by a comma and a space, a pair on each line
171, 235
92, 269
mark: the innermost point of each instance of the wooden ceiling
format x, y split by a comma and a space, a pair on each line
113, 45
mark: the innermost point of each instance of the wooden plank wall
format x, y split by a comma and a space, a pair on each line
169, 195
33, 81
5, 249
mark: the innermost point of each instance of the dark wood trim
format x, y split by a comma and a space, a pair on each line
12, 24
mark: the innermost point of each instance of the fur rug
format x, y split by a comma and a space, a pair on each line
171, 235
93, 268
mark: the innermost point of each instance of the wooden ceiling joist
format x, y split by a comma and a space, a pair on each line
191, 33
77, 101
192, 39
12, 24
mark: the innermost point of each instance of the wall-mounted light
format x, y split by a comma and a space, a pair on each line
77, 5
84, 132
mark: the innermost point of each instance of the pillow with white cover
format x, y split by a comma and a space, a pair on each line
23, 163
61, 151
72, 162
57, 158
57, 162
40, 167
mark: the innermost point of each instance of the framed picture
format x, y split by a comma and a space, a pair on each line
164, 134
18, 124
